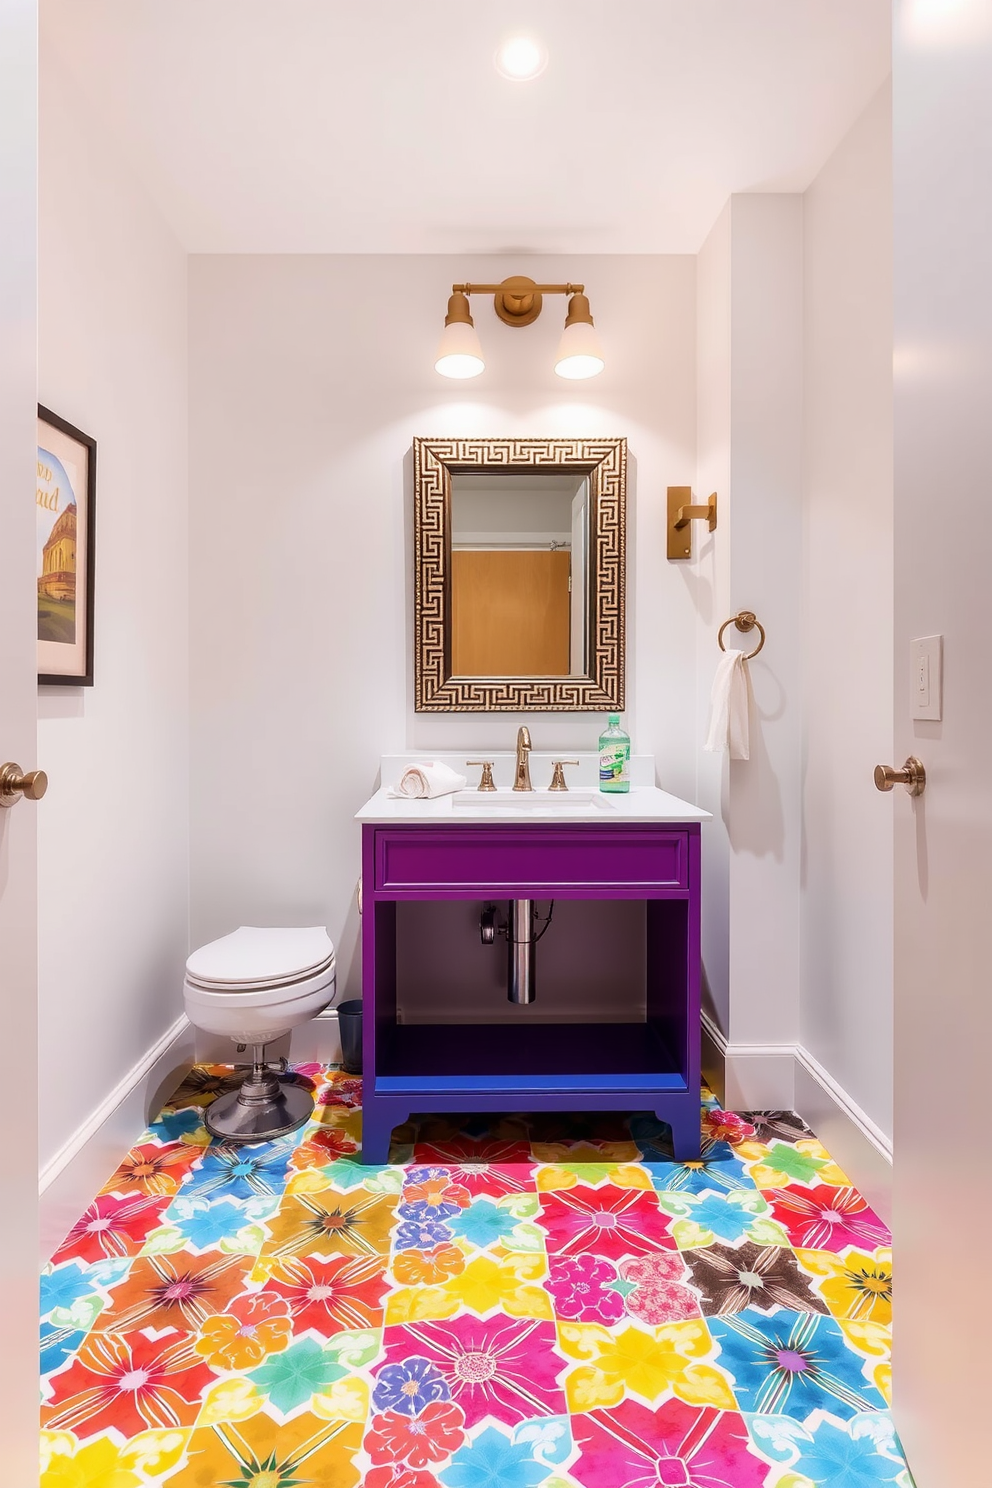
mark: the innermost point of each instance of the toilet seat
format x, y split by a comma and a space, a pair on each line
254, 956
260, 984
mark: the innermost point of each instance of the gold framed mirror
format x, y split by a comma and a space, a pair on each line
520, 574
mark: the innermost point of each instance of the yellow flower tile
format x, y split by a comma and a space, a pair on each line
308, 1180
506, 1281
415, 1304
870, 1338
341, 1118
582, 1340
156, 1452
346, 1400
632, 1175
230, 1400
306, 1448
857, 1285
648, 1363
586, 1152
56, 1444
766, 1175
330, 1223
98, 1464
625, 1175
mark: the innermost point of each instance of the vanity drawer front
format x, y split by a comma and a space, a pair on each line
494, 862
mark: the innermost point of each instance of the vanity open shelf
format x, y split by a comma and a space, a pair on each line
487, 1058
430, 852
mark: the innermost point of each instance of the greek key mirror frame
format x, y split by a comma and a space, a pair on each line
605, 463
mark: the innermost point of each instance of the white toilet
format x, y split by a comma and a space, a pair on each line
254, 986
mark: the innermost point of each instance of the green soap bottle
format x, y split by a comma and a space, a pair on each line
614, 756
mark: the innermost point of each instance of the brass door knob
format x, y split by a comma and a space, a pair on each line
912, 776
14, 784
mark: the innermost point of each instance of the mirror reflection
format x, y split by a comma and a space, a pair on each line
519, 574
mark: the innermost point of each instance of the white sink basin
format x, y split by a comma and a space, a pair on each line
542, 802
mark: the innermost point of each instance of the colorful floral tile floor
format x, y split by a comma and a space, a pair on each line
542, 1302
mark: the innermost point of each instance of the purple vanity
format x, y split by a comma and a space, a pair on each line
644, 847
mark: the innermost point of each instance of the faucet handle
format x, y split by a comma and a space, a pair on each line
486, 783
558, 782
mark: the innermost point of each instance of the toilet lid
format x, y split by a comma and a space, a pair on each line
255, 956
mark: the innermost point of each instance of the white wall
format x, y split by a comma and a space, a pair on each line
707, 579
766, 535
749, 423
113, 883
309, 377
847, 639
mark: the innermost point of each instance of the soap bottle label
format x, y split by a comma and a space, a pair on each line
613, 763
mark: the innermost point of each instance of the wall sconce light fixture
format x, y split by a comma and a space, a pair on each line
517, 302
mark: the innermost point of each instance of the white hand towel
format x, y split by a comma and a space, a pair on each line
425, 781
729, 705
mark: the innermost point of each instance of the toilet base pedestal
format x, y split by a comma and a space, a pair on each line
265, 1106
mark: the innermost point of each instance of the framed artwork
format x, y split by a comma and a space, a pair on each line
66, 502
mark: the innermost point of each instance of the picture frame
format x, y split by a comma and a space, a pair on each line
65, 500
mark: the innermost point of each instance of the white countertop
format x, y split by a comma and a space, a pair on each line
644, 803
583, 802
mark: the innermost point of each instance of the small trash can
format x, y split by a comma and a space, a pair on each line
350, 1024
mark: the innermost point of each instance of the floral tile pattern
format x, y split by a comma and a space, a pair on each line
510, 1302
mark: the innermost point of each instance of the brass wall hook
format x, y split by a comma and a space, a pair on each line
681, 514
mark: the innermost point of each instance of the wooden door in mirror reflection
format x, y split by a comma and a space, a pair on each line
510, 612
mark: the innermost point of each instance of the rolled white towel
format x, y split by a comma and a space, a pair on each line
425, 781
729, 703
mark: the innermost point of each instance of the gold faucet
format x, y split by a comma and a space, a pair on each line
521, 775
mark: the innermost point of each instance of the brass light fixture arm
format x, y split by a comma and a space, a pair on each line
518, 300
681, 512
566, 289
705, 514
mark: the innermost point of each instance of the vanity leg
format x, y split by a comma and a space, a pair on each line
686, 1131
378, 1120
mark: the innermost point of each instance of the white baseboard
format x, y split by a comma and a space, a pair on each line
849, 1135
69, 1180
318, 1041
770, 1077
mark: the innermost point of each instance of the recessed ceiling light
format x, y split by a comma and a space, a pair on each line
521, 58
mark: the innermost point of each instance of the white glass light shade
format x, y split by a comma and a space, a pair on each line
579, 352
459, 353
521, 58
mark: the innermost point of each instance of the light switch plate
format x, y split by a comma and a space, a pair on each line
926, 677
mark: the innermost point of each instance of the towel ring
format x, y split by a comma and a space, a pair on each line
745, 620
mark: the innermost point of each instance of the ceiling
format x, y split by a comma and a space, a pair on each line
382, 126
